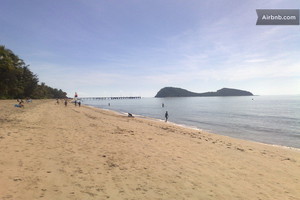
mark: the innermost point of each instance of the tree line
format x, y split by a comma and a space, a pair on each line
18, 82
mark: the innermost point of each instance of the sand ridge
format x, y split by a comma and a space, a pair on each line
49, 151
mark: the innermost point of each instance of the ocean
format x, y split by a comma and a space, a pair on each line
267, 119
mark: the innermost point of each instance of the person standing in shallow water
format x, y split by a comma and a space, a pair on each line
166, 116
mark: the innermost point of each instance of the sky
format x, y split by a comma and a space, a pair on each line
101, 48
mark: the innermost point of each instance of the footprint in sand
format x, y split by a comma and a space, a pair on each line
240, 149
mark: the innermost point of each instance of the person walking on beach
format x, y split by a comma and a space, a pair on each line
66, 102
166, 116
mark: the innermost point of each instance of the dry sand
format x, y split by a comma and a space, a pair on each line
49, 151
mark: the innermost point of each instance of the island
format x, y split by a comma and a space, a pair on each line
179, 92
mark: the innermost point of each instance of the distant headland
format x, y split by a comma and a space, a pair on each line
179, 92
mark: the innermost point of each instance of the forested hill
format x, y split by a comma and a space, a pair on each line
17, 81
178, 92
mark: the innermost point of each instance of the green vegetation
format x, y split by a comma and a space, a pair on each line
17, 81
178, 92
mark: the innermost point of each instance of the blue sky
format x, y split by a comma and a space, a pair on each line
136, 47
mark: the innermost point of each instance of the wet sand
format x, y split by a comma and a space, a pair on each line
50, 151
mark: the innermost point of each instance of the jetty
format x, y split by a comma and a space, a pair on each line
108, 98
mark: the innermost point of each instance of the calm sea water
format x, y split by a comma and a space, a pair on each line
266, 119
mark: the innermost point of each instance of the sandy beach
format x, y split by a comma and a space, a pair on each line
50, 151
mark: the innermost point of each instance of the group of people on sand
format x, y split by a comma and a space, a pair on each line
20, 103
65, 101
77, 102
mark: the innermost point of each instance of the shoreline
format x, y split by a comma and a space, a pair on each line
50, 151
192, 127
